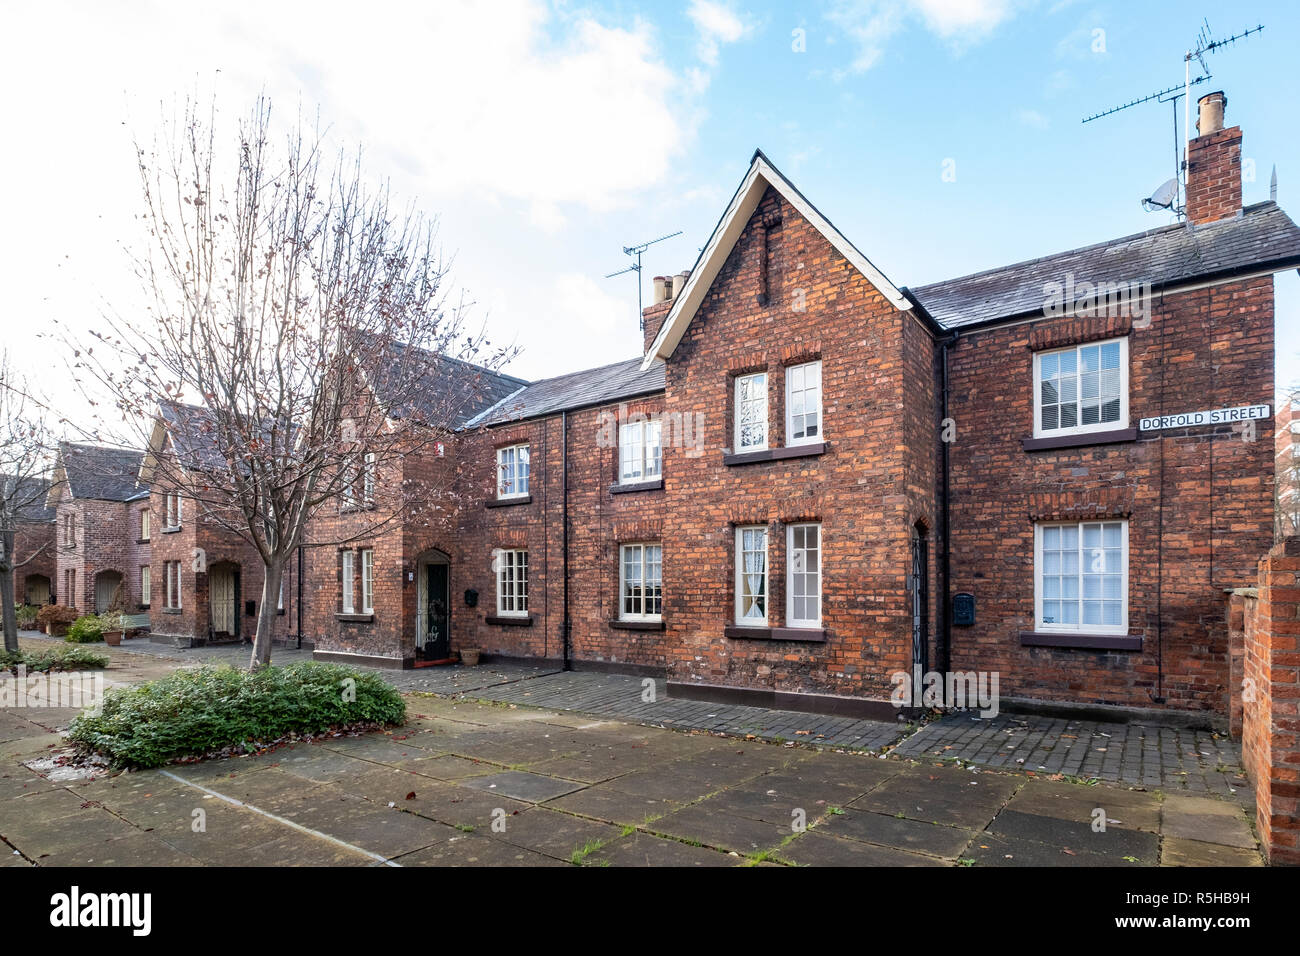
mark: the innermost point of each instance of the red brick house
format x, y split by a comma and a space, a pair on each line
816, 481
380, 569
34, 553
205, 579
100, 510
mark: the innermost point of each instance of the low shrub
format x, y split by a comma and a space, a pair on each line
86, 629
57, 658
56, 614
190, 713
26, 615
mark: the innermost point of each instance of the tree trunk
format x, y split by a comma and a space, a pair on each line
266, 614
7, 591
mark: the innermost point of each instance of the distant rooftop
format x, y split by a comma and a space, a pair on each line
1171, 255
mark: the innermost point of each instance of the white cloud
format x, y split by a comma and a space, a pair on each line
871, 23
1033, 119
716, 23
512, 119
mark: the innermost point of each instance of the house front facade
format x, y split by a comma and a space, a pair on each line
35, 562
204, 580
100, 510
816, 485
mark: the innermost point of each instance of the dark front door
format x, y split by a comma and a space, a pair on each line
437, 643
917, 587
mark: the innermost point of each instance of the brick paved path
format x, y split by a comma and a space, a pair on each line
1191, 761
617, 695
1194, 761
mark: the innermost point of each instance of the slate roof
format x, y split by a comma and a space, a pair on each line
190, 428
100, 473
450, 391
30, 496
594, 386
1171, 255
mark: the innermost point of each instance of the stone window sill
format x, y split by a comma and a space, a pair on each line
507, 502
1086, 642
171, 530
637, 625
774, 454
632, 486
354, 618
807, 635
1113, 437
171, 610
508, 621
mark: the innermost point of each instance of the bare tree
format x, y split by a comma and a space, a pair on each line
304, 314
24, 456
1286, 484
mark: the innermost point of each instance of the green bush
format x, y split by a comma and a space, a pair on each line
54, 659
86, 629
26, 614
193, 712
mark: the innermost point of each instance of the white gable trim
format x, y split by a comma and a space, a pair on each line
724, 238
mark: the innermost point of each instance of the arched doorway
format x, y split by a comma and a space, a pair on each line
223, 601
433, 607
108, 592
36, 589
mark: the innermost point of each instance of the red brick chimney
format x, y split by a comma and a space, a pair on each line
1213, 164
666, 290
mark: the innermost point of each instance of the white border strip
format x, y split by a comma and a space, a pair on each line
289, 823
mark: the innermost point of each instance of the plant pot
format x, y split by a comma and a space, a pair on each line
113, 638
56, 630
469, 657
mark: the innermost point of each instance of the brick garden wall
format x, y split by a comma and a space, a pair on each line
1268, 698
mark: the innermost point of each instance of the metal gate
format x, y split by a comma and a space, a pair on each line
919, 592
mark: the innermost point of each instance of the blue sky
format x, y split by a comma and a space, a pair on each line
548, 136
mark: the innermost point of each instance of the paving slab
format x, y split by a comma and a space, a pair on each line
465, 808
898, 832
1131, 809
136, 849
532, 787
560, 835
991, 849
1113, 842
815, 848
722, 830
470, 849
944, 795
613, 806
1207, 820
1175, 851
642, 849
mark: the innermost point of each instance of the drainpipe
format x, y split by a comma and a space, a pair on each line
564, 512
945, 610
298, 603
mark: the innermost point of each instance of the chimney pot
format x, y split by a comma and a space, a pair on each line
680, 284
660, 290
1209, 113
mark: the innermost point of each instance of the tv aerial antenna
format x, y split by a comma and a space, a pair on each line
1166, 196
635, 267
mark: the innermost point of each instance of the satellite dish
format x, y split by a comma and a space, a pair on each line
1162, 198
